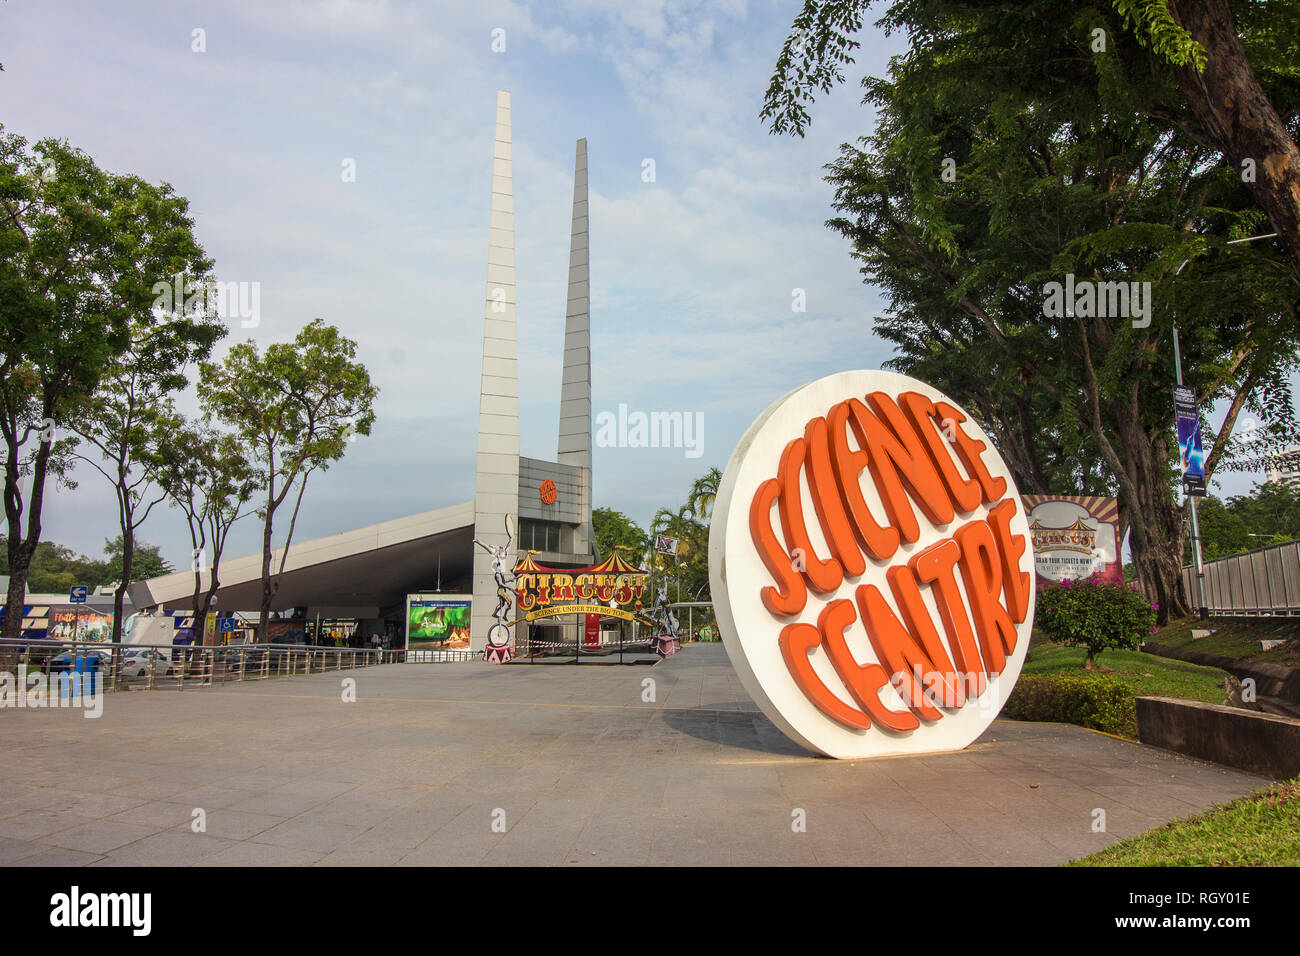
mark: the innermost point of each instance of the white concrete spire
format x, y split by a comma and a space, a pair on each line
575, 388
496, 481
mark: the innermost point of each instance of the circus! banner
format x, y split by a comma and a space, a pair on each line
613, 588
1074, 537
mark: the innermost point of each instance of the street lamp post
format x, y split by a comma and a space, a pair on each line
1204, 611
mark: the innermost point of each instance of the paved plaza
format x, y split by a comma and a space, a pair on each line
550, 765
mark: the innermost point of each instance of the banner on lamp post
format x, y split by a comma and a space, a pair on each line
1191, 456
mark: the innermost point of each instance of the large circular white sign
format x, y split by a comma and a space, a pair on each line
872, 568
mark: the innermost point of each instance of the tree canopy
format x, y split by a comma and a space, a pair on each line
1013, 153
294, 408
80, 252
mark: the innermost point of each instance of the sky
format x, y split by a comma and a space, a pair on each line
254, 110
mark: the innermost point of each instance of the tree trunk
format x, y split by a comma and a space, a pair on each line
13, 626
128, 558
265, 612
1239, 118
1159, 558
22, 547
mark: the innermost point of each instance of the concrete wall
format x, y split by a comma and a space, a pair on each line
572, 504
1245, 739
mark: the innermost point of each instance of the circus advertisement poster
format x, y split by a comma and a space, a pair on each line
437, 621
613, 588
1075, 537
81, 624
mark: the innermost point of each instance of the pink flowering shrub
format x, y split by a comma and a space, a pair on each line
1095, 615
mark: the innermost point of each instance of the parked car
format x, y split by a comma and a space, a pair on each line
66, 661
137, 662
251, 655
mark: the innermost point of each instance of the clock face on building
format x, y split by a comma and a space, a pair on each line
872, 568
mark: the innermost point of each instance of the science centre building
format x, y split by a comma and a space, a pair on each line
431, 575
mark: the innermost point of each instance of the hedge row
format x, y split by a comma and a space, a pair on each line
1094, 701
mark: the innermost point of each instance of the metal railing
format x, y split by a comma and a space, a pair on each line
174, 667
1260, 583
440, 656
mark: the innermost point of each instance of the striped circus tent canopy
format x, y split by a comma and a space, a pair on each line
526, 564
614, 564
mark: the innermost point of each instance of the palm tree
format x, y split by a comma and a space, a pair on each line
692, 539
704, 492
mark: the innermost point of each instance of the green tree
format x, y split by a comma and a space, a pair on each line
294, 408
148, 563
690, 568
80, 251
207, 475
704, 492
55, 569
989, 177
1222, 531
1226, 72
124, 421
1270, 514
1094, 615
615, 532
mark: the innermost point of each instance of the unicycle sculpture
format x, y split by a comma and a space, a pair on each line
666, 643
497, 650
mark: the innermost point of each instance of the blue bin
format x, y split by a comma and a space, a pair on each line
86, 668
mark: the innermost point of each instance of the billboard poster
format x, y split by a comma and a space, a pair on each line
286, 632
1074, 537
612, 588
591, 631
79, 623
435, 621
1191, 456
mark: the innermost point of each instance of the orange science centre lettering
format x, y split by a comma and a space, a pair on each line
871, 568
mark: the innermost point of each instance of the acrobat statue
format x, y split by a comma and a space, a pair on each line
498, 650
666, 642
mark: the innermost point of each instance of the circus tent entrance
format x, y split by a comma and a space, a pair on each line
570, 615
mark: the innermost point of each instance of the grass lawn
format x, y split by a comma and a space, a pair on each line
1145, 674
1237, 637
1262, 829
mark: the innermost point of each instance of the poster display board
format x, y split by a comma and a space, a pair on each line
79, 623
1075, 537
437, 621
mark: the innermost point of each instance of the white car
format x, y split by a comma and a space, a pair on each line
136, 662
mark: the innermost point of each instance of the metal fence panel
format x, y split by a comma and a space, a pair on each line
1276, 586
1259, 573
1235, 600
1264, 581
1290, 557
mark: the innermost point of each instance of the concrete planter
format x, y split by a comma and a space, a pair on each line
1246, 739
